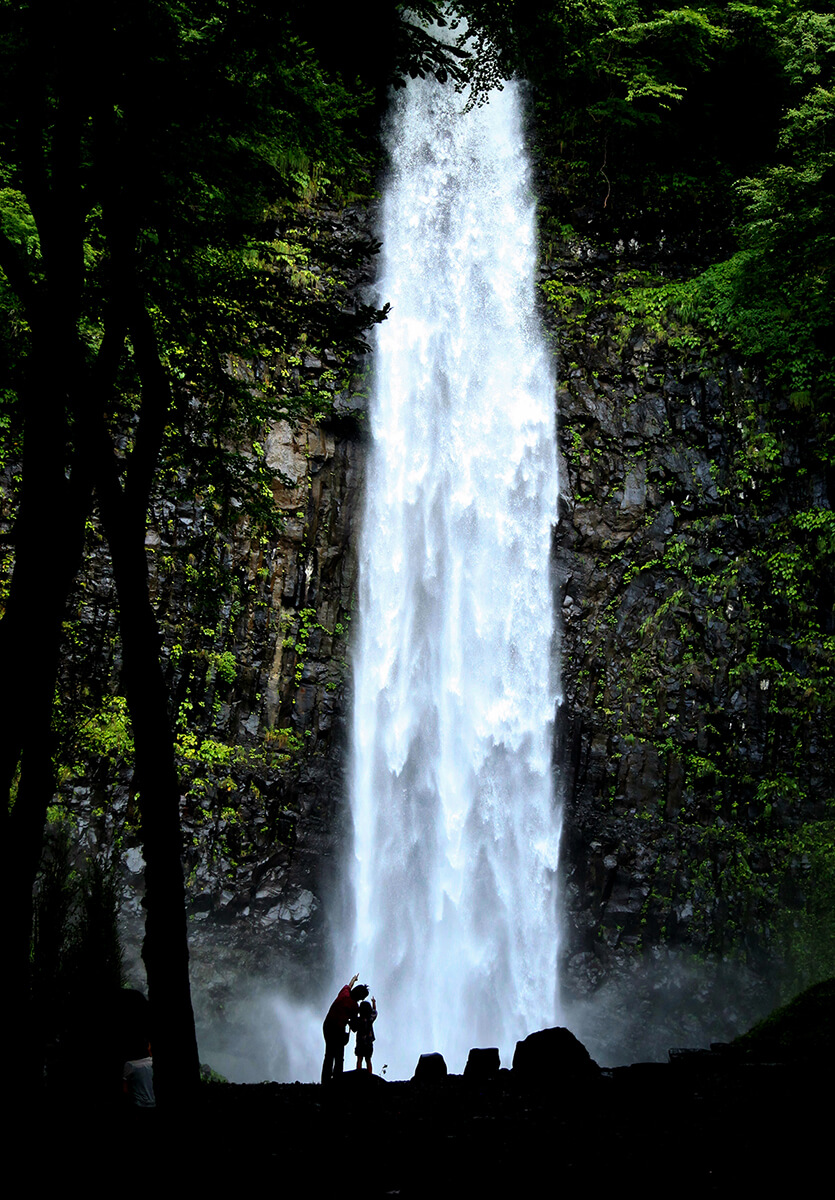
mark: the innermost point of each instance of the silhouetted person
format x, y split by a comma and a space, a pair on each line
365, 1033
342, 1015
138, 1077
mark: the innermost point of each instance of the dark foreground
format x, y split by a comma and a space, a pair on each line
703, 1124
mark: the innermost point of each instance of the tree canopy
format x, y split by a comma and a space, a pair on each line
704, 133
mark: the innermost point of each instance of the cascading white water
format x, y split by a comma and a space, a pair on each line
455, 821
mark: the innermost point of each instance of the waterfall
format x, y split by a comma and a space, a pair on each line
456, 828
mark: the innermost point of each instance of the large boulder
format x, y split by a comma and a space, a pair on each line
482, 1064
551, 1056
431, 1068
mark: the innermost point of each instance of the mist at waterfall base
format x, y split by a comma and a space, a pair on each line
674, 1000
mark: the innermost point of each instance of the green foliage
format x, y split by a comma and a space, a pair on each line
807, 930
775, 297
226, 666
648, 61
647, 113
708, 129
17, 221
108, 730
85, 730
664, 309
209, 1076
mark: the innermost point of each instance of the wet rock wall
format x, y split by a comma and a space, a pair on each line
693, 744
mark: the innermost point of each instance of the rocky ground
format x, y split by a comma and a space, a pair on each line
731, 1120
697, 1127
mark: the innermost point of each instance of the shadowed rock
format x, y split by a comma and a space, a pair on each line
482, 1065
800, 1032
551, 1056
431, 1068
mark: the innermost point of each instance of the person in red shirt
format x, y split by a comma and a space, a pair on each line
342, 1016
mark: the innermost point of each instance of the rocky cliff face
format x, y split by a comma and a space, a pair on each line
259, 675
694, 739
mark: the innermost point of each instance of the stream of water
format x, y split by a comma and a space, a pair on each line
456, 826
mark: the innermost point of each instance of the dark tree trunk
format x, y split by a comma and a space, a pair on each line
165, 950
48, 539
123, 511
49, 529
